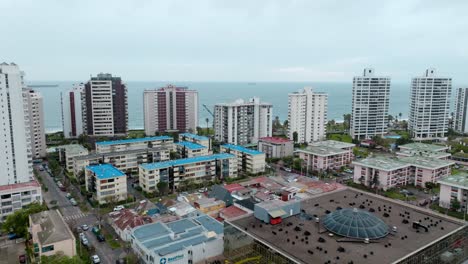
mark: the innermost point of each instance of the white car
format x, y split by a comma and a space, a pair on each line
118, 208
84, 241
85, 227
82, 235
95, 259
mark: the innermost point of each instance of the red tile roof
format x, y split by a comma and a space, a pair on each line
276, 140
19, 185
233, 187
130, 219
231, 212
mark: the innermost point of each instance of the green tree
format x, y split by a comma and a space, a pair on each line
285, 124
295, 136
346, 121
59, 258
455, 204
162, 187
207, 125
297, 164
18, 221
174, 155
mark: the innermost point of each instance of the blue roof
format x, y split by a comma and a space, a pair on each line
132, 140
190, 135
210, 224
105, 171
190, 145
179, 162
242, 149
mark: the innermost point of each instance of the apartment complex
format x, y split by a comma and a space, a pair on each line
369, 114
454, 188
307, 115
242, 122
106, 106
424, 150
72, 111
170, 108
51, 234
187, 149
386, 173
35, 113
275, 147
326, 155
202, 140
460, 115
107, 183
68, 153
17, 185
248, 160
134, 143
429, 106
198, 169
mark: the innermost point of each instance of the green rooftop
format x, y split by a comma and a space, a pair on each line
459, 180
332, 144
382, 163
423, 147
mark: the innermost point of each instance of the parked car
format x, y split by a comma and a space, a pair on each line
118, 208
423, 202
95, 259
404, 191
73, 202
96, 230
85, 242
100, 238
41, 169
85, 227
286, 169
22, 258
81, 235
68, 195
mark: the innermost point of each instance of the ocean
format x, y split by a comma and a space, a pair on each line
210, 93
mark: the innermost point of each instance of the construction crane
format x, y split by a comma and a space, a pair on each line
208, 110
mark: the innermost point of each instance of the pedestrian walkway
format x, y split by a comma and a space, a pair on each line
74, 216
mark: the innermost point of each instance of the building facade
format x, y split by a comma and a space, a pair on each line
326, 155
170, 108
460, 115
107, 183
72, 111
307, 115
242, 122
454, 188
187, 149
275, 147
369, 113
429, 106
106, 107
202, 140
51, 234
197, 169
68, 153
248, 160
134, 143
35, 113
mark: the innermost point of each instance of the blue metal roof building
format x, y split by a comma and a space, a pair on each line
194, 136
179, 162
132, 140
105, 171
195, 239
190, 145
242, 149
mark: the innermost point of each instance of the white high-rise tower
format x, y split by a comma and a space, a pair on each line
369, 114
307, 115
460, 116
429, 106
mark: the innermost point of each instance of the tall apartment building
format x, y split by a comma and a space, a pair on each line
35, 113
369, 114
429, 106
460, 117
242, 122
307, 115
170, 108
72, 111
106, 106
17, 185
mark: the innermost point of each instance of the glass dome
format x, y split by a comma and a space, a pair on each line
355, 223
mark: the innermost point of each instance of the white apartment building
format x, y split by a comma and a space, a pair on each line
107, 183
170, 108
72, 111
454, 187
307, 115
369, 114
68, 153
429, 106
460, 117
35, 112
106, 106
17, 179
248, 160
242, 122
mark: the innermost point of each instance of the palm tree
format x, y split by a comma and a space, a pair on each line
207, 125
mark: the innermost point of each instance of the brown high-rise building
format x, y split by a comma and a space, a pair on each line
106, 106
170, 108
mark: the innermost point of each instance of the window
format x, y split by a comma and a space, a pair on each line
48, 248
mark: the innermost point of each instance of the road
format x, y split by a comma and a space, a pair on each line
75, 217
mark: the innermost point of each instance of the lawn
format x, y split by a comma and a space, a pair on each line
113, 243
394, 194
340, 137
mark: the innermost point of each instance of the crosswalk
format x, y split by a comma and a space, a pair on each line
74, 216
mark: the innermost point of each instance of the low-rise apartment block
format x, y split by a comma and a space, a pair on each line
198, 169
202, 140
326, 155
454, 187
67, 154
188, 149
135, 143
51, 234
126, 161
385, 173
424, 150
275, 147
15, 196
106, 182
248, 160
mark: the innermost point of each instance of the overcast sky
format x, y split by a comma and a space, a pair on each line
234, 40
